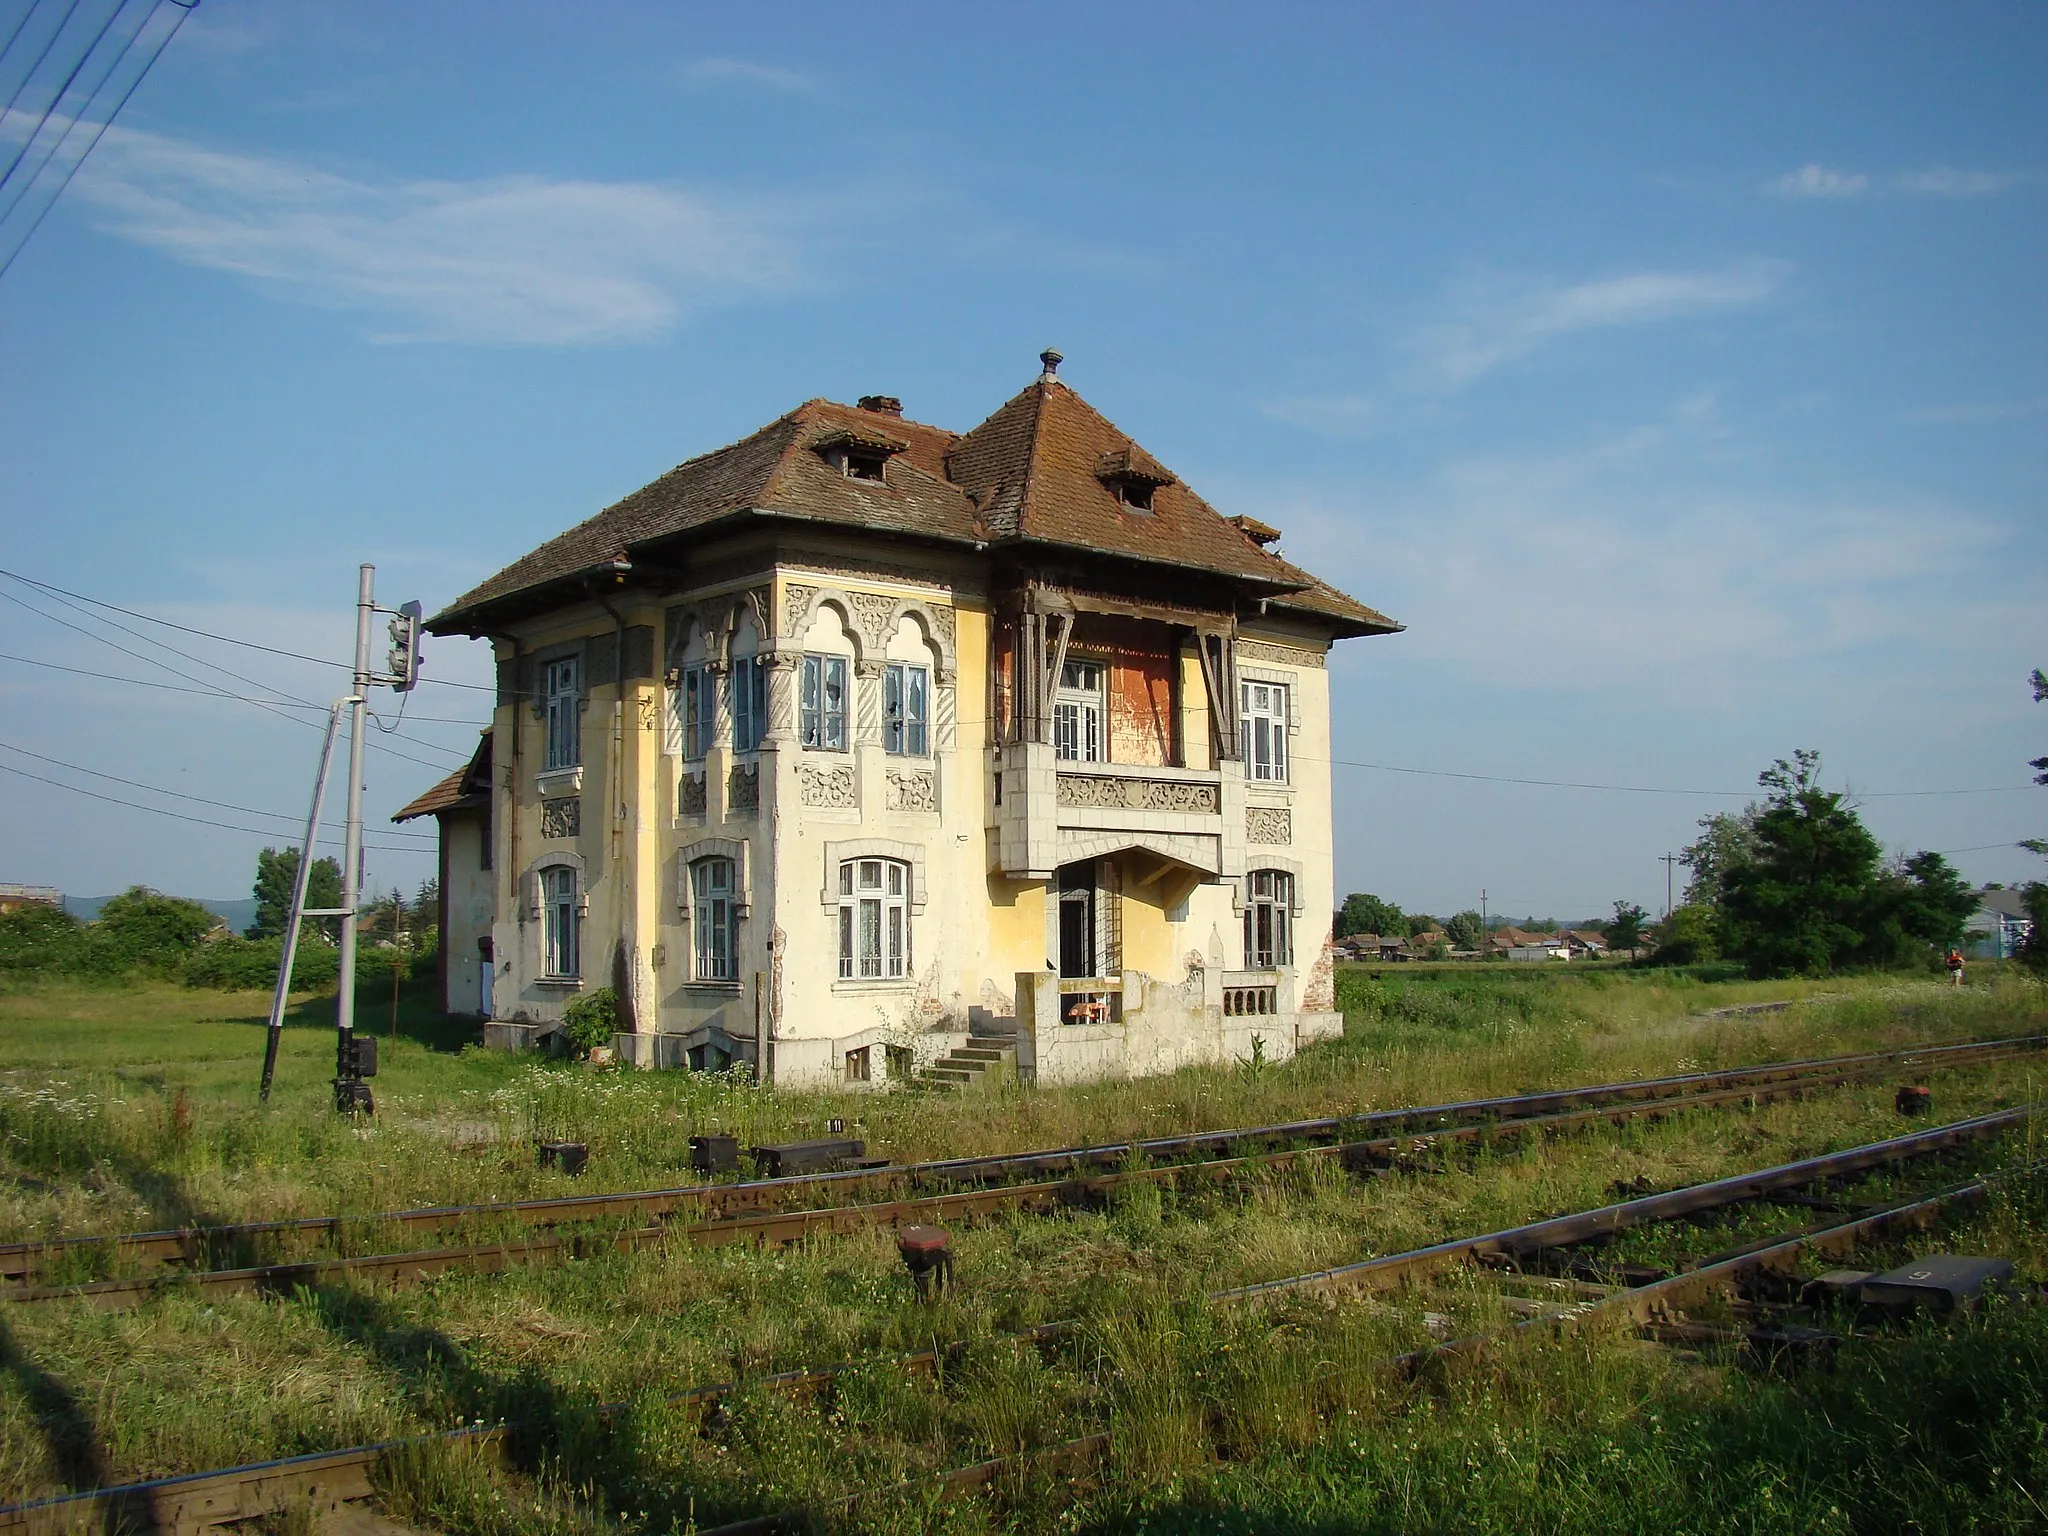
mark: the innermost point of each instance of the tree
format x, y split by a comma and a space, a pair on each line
1368, 914
1813, 894
1922, 905
1420, 923
1686, 937
1627, 928
426, 905
1727, 840
1464, 931
150, 928
276, 874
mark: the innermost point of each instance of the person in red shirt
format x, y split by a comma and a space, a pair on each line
1955, 966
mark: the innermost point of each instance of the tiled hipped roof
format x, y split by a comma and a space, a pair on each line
1043, 469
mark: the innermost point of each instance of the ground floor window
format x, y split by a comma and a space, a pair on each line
874, 919
1269, 903
859, 1067
715, 917
562, 960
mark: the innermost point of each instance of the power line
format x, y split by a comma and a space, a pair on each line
57, 100
212, 693
205, 634
157, 810
222, 805
268, 706
184, 9
7, 111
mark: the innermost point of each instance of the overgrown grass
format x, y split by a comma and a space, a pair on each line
1250, 1417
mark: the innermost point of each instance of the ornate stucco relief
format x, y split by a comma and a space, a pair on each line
910, 791
1088, 791
1285, 655
832, 787
743, 787
561, 818
1268, 824
690, 798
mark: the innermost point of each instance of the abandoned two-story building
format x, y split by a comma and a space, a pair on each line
839, 747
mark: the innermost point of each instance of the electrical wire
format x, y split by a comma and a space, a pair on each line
210, 693
57, 100
205, 634
268, 706
1336, 762
19, 27
14, 100
157, 810
219, 805
184, 9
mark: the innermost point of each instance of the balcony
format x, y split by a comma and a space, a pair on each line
1048, 813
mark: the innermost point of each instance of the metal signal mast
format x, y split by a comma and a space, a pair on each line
354, 1060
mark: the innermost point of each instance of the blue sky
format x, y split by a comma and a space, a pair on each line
1678, 376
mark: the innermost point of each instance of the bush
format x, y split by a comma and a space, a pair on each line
153, 930
590, 1020
235, 965
39, 940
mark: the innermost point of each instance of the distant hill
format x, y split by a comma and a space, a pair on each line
238, 915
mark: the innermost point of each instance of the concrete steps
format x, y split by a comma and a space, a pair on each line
967, 1066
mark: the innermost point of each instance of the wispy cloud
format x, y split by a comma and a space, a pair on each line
1975, 411
1822, 182
1492, 320
1336, 415
1649, 557
1818, 181
746, 72
513, 260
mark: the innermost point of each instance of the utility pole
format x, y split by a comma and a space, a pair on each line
354, 1059
1482, 922
1669, 861
351, 1093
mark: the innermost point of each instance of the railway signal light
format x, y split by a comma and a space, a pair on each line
404, 661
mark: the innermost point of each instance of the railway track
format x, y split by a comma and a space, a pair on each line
966, 1190
217, 1259
194, 1503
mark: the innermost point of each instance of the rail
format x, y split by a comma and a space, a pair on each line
194, 1502
641, 1216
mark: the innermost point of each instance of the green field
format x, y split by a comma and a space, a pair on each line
123, 1109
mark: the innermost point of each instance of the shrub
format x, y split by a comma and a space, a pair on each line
151, 929
40, 940
590, 1020
233, 965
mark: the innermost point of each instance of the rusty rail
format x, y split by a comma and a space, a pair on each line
193, 1502
200, 1246
787, 1226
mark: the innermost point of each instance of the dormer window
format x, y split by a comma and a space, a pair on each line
859, 455
861, 463
1132, 475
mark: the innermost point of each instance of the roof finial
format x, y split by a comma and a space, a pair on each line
1052, 360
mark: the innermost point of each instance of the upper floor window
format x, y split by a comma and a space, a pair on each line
874, 919
862, 463
1263, 723
1268, 911
1077, 714
693, 710
561, 700
906, 709
715, 919
560, 901
747, 698
823, 703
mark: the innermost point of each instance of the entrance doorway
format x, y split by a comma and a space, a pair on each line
1087, 947
484, 968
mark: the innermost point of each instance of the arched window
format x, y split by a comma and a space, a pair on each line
715, 913
562, 959
1269, 903
874, 919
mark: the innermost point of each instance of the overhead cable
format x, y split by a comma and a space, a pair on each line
157, 810
175, 794
183, 9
